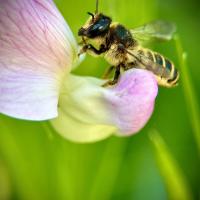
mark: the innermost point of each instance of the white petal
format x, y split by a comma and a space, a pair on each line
37, 49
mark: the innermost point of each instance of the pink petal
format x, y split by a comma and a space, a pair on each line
36, 51
131, 101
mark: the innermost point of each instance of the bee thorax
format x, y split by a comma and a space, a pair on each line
115, 56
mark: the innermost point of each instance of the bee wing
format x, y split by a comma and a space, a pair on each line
149, 64
158, 30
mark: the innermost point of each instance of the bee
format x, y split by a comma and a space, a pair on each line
123, 48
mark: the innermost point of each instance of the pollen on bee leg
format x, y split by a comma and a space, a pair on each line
109, 83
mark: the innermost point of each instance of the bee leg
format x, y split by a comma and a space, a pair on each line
108, 72
131, 65
89, 47
116, 77
117, 74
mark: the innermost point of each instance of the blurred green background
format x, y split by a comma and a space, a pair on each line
37, 164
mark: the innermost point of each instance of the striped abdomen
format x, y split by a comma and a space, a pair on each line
164, 70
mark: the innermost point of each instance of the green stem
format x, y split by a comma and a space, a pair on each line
175, 181
109, 168
191, 99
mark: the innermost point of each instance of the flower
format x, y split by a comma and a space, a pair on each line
37, 52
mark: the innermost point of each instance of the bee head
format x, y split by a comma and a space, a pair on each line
98, 24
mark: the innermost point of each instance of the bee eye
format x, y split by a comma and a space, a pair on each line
97, 27
101, 28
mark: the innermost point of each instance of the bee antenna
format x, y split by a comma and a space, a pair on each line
97, 6
89, 13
